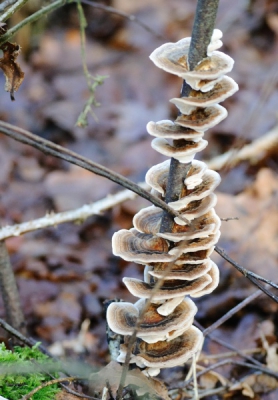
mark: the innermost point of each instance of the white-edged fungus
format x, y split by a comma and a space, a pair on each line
184, 154
169, 289
223, 89
202, 119
163, 354
122, 318
177, 263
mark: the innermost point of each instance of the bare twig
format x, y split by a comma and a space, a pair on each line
32, 18
248, 274
49, 383
219, 364
232, 312
79, 214
55, 150
130, 17
132, 338
28, 341
15, 7
253, 152
265, 370
6, 3
206, 357
61, 152
229, 346
201, 34
9, 292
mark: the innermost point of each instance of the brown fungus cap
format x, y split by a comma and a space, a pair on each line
169, 130
185, 271
202, 119
157, 176
201, 227
195, 174
169, 289
122, 318
183, 154
196, 208
142, 248
210, 181
148, 220
214, 274
172, 57
167, 354
224, 88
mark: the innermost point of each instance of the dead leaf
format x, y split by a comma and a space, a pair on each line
13, 73
261, 383
112, 374
245, 388
210, 379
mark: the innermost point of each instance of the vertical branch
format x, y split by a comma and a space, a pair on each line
9, 292
201, 34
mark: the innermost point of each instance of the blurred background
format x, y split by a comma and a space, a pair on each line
65, 273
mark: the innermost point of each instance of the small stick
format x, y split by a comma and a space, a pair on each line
201, 35
32, 18
248, 274
6, 3
232, 312
52, 382
9, 291
15, 7
61, 152
55, 150
79, 214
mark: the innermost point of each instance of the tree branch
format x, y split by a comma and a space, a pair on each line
61, 152
32, 18
79, 214
201, 34
9, 292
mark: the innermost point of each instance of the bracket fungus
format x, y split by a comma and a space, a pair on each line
177, 260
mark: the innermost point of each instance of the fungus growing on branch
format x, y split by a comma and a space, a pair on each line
177, 259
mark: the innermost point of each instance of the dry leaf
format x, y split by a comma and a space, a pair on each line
245, 388
13, 73
210, 379
261, 383
111, 374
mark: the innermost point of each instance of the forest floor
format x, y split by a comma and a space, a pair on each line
65, 273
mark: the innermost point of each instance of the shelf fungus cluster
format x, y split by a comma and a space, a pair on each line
180, 258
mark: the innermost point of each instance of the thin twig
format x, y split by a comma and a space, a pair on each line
61, 152
79, 214
28, 341
6, 3
232, 312
132, 338
219, 364
32, 18
253, 152
265, 370
15, 7
201, 35
55, 150
206, 357
9, 291
130, 17
49, 383
248, 274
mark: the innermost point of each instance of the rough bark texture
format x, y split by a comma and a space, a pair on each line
9, 292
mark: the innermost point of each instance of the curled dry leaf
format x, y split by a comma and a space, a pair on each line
13, 73
112, 374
